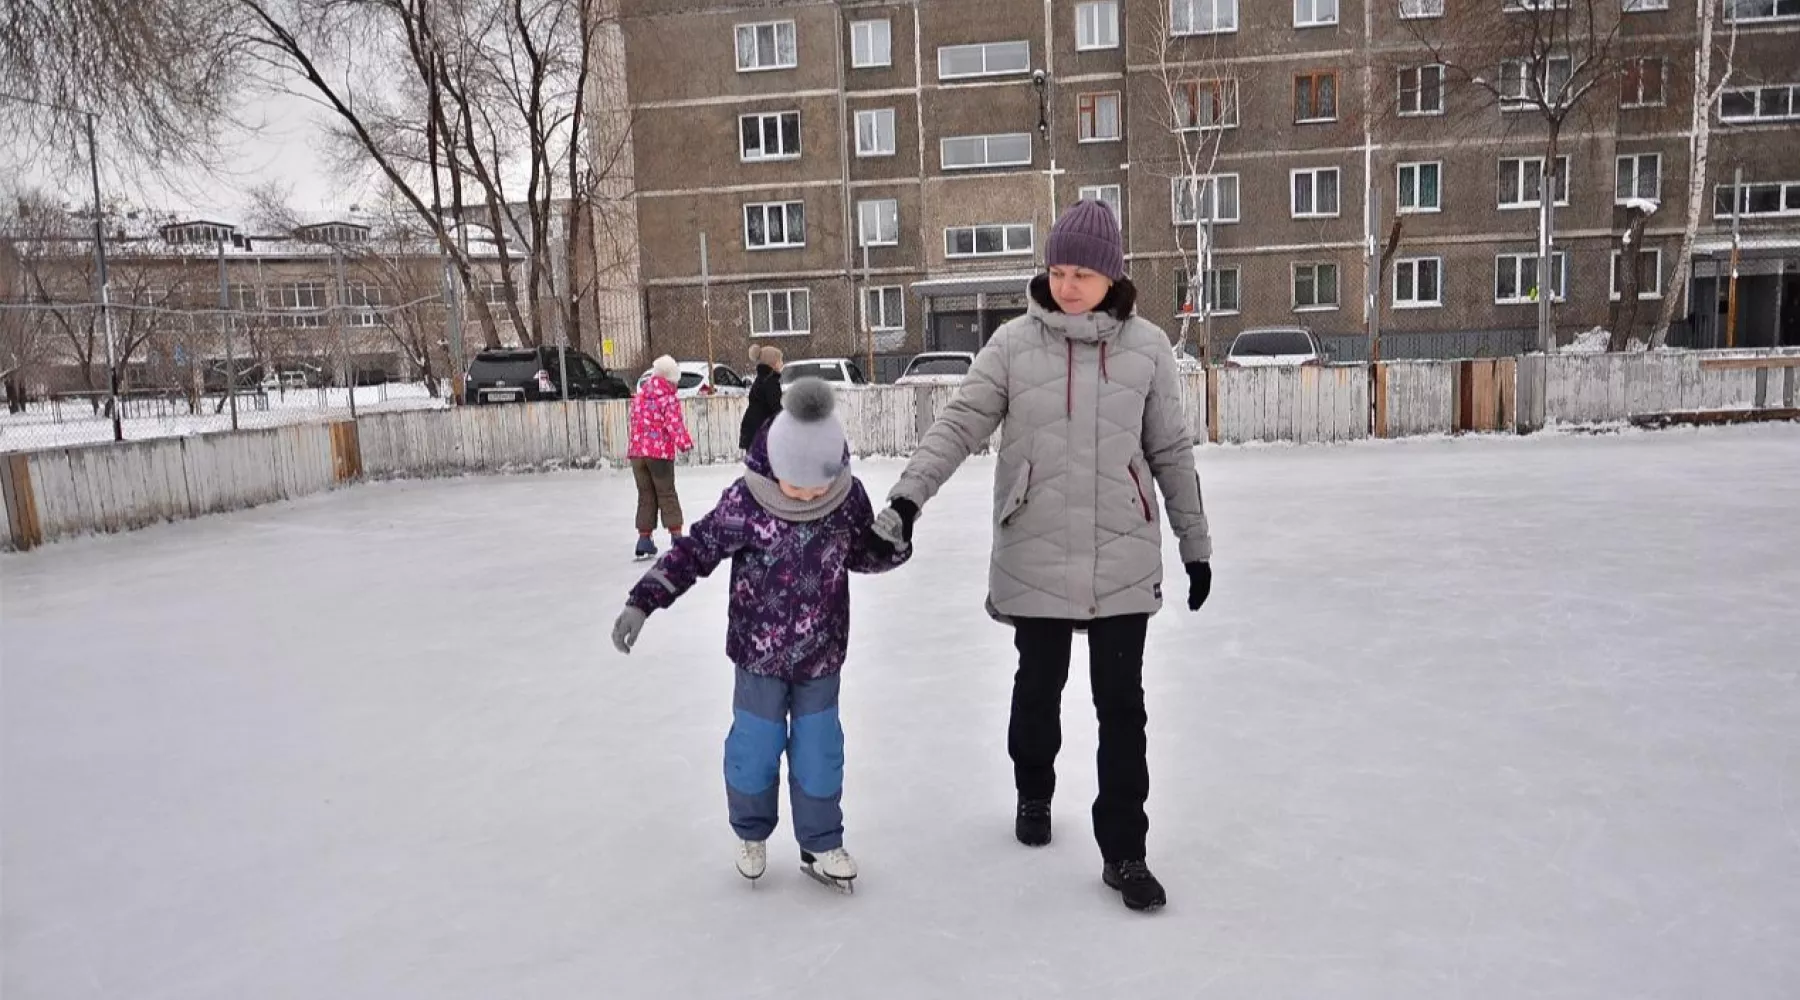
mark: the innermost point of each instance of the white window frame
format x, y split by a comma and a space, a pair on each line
769, 295
1793, 12
754, 27
987, 160
883, 209
1212, 191
1519, 188
1211, 287
1314, 16
1614, 292
787, 210
1222, 15
1790, 199
1098, 20
1517, 6
1641, 6
1082, 121
1559, 278
878, 116
1316, 174
1637, 174
1098, 192
1227, 89
1756, 95
878, 294
745, 156
1337, 277
1412, 266
985, 48
1008, 230
1400, 170
864, 36
1523, 99
1662, 97
1419, 110
1420, 9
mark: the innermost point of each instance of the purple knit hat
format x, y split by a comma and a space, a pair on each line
1087, 236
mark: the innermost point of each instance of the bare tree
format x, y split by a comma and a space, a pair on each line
1713, 66
1622, 317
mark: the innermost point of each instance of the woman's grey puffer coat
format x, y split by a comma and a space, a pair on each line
1089, 409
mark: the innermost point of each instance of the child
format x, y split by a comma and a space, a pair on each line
658, 432
794, 527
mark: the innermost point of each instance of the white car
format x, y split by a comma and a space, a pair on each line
937, 368
840, 371
1275, 347
694, 381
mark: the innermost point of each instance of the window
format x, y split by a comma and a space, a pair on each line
1518, 5
1314, 13
1768, 104
1641, 82
360, 296
767, 46
957, 62
1522, 178
1649, 275
871, 44
1422, 90
1520, 88
244, 297
1516, 278
884, 308
1315, 97
971, 152
496, 293
1097, 25
775, 225
306, 298
1421, 8
875, 132
769, 137
782, 313
1761, 10
878, 223
1110, 195
1636, 6
1768, 198
1418, 282
1202, 17
1640, 176
1220, 292
987, 241
1212, 198
1315, 193
1099, 114
1315, 286
1203, 104
1421, 187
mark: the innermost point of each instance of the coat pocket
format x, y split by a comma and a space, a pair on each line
1139, 481
1015, 498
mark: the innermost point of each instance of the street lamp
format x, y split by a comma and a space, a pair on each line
104, 290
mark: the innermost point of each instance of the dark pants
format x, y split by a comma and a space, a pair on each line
1116, 673
656, 492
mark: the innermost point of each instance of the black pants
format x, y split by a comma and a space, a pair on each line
1116, 672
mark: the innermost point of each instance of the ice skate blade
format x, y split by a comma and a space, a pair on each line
846, 886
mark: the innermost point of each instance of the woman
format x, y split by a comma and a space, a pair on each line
658, 432
1086, 398
765, 394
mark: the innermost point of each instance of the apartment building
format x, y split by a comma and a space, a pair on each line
882, 175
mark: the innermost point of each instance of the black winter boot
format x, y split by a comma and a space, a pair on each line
1132, 879
1032, 826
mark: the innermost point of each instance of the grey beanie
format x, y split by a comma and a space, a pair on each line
806, 442
1087, 236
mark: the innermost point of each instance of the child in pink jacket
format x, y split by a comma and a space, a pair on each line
658, 433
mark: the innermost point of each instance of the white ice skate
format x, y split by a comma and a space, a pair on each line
752, 859
835, 868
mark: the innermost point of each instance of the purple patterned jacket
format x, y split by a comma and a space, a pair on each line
790, 583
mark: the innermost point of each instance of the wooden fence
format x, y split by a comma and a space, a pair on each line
58, 493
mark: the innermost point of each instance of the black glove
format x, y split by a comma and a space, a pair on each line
895, 524
1199, 584
878, 546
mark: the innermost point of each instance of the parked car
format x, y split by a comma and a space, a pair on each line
289, 381
1275, 346
522, 374
839, 370
694, 381
937, 368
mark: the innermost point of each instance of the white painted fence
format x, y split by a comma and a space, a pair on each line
1421, 397
1305, 405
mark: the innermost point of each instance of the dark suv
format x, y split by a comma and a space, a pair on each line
529, 374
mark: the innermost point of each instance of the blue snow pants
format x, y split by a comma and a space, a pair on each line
771, 716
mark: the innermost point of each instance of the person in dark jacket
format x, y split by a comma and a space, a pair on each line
765, 394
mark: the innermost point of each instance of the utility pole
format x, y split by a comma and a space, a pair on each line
1731, 299
706, 307
337, 260
225, 328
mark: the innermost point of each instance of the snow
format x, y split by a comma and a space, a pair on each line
1592, 341
1488, 718
1648, 206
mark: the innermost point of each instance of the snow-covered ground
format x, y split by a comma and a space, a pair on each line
1479, 718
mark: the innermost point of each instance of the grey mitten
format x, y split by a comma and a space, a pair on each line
894, 524
626, 629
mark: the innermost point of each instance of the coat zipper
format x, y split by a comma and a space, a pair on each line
1143, 501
